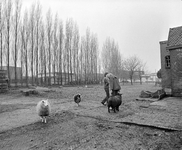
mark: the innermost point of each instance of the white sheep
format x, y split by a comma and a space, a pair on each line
43, 109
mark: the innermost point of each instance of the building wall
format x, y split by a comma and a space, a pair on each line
12, 72
176, 72
165, 72
152, 77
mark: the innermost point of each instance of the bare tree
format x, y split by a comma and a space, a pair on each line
99, 67
140, 69
25, 33
49, 40
84, 55
75, 51
16, 21
106, 55
68, 48
60, 61
42, 54
81, 57
111, 57
32, 31
37, 28
84, 58
91, 54
21, 56
95, 55
87, 53
131, 65
65, 61
8, 15
67, 51
55, 47
45, 58
88, 57
1, 31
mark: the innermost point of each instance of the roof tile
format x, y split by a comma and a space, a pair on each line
175, 36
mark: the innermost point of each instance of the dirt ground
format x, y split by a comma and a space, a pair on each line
85, 127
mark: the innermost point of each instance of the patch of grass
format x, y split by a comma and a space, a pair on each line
13, 107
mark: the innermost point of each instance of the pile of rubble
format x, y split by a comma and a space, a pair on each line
159, 94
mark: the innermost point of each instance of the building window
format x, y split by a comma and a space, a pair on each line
167, 62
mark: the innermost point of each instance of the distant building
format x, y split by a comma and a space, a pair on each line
12, 72
125, 76
58, 77
150, 78
64, 76
171, 61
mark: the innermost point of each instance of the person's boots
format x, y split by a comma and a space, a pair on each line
103, 103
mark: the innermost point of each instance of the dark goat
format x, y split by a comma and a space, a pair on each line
77, 98
114, 102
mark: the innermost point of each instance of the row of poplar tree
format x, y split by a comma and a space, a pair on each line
45, 50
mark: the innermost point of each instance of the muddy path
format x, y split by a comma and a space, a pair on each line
85, 127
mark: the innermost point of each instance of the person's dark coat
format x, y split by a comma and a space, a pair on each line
113, 82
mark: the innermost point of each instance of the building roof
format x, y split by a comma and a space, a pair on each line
162, 42
174, 38
149, 75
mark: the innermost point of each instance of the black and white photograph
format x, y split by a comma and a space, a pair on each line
90, 74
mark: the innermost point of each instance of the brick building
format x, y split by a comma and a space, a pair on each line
171, 61
165, 65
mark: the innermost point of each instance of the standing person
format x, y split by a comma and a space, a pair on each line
106, 88
113, 83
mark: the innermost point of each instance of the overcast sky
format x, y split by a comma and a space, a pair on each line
136, 25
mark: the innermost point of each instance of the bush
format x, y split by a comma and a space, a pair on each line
159, 74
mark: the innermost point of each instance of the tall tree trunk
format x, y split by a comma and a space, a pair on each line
17, 18
49, 38
21, 57
1, 49
60, 52
8, 53
25, 39
1, 33
37, 56
32, 27
8, 11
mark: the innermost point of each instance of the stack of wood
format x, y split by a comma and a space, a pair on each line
3, 81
